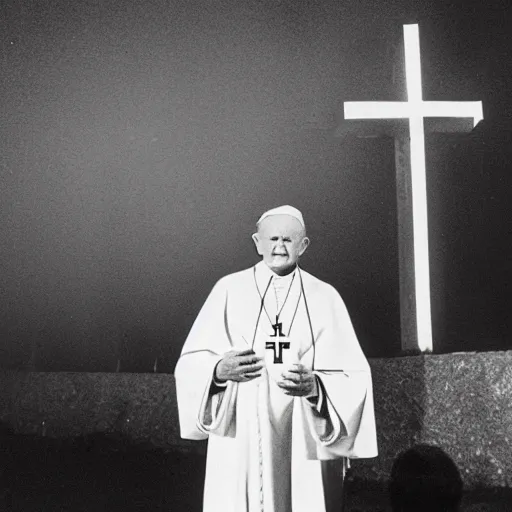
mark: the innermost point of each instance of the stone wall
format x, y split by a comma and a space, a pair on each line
460, 402
140, 406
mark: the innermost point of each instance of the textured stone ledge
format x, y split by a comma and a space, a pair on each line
139, 406
460, 402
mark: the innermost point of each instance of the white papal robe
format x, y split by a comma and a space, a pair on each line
265, 449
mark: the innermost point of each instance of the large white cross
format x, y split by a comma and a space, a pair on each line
415, 110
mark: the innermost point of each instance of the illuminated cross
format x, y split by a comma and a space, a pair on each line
414, 262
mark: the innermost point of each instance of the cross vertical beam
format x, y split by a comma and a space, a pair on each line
415, 311
419, 189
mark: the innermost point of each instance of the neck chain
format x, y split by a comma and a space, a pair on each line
262, 305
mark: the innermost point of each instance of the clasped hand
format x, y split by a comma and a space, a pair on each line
298, 381
240, 366
245, 365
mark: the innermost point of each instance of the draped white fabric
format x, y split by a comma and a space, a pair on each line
265, 448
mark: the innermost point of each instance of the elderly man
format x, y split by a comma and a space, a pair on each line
273, 375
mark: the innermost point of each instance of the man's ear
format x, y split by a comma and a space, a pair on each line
256, 240
305, 245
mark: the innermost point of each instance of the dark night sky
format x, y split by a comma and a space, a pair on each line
140, 141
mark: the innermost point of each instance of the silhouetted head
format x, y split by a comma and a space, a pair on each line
425, 479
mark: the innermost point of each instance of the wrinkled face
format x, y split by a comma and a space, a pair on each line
280, 241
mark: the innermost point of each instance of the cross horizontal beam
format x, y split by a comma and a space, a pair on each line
406, 110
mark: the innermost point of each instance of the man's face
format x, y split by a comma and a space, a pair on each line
280, 241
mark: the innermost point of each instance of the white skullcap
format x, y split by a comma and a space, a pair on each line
284, 210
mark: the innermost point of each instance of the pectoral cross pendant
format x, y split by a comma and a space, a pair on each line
280, 346
278, 329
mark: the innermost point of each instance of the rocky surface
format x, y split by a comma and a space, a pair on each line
140, 406
460, 402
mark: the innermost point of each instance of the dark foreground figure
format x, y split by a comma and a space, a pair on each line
424, 479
